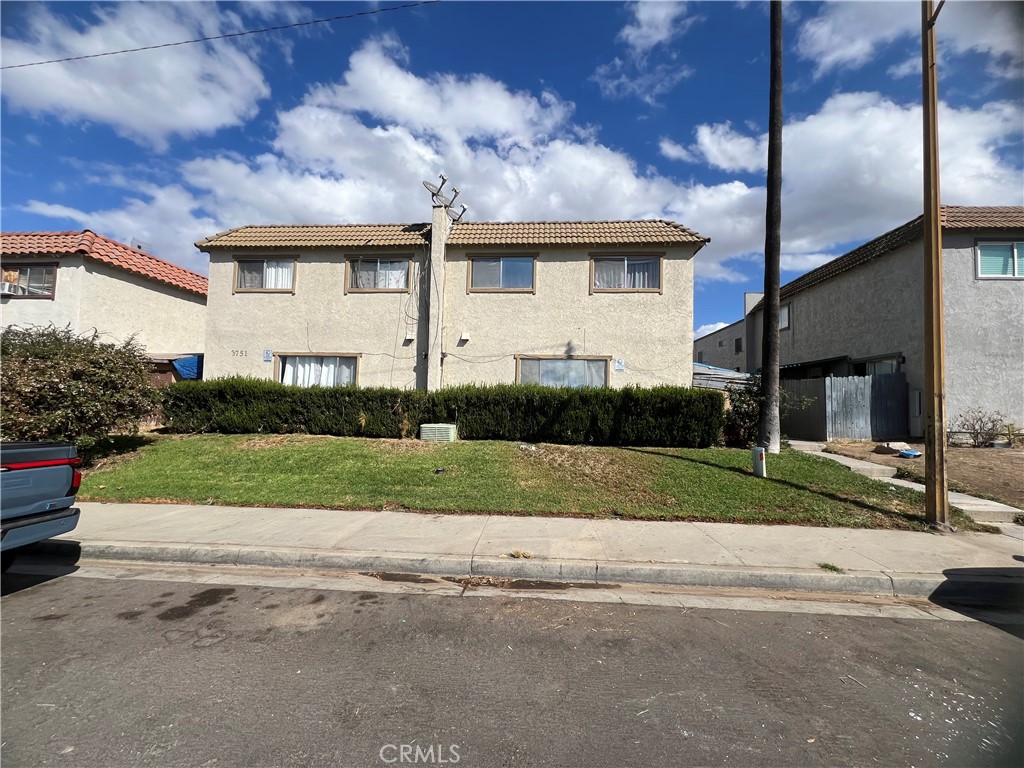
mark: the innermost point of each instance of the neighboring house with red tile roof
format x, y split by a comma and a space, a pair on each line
863, 313
603, 303
85, 280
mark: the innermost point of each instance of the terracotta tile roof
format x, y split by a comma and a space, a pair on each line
320, 236
640, 232
105, 250
954, 217
530, 233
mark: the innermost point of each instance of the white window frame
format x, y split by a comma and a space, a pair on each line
1017, 247
280, 357
582, 358
293, 260
788, 307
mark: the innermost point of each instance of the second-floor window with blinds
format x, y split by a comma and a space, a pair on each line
265, 275
384, 274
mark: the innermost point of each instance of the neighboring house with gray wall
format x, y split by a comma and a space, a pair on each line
86, 281
430, 305
863, 313
727, 347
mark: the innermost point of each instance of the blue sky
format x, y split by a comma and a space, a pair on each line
573, 110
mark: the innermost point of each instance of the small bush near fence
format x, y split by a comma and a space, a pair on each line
661, 416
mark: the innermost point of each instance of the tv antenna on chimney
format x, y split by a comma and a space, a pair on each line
456, 217
438, 197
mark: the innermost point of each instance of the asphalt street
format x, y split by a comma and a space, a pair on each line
166, 671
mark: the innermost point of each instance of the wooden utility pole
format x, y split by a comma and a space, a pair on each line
936, 489
769, 428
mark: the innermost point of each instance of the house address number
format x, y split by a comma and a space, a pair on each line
239, 353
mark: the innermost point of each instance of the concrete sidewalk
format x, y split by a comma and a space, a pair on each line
694, 554
980, 510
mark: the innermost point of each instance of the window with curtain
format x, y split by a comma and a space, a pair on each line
627, 273
378, 274
501, 273
265, 275
783, 317
317, 371
1001, 260
30, 281
563, 372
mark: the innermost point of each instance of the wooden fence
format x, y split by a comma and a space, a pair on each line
848, 408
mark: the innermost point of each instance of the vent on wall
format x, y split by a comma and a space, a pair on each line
437, 433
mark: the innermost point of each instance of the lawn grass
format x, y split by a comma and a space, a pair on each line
482, 476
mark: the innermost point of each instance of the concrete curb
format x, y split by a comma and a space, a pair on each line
677, 574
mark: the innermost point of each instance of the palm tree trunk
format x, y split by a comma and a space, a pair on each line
769, 428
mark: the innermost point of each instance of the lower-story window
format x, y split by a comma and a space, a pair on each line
318, 370
564, 372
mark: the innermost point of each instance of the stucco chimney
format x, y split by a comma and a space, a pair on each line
439, 228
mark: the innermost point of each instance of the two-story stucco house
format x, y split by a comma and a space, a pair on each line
863, 313
441, 304
86, 281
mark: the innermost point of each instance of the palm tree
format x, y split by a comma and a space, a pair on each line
769, 431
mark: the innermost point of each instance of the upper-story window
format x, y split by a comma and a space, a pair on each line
783, 317
1001, 260
626, 273
378, 274
266, 275
501, 273
737, 345
36, 281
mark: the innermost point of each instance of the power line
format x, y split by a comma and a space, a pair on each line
225, 36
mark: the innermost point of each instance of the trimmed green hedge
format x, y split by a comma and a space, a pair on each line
662, 416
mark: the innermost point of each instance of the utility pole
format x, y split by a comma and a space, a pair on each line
769, 429
936, 489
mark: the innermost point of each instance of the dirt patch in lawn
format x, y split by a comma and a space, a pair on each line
265, 442
994, 473
409, 445
624, 476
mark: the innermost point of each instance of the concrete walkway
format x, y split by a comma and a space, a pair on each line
701, 554
981, 510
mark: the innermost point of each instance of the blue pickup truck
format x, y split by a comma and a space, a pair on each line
38, 484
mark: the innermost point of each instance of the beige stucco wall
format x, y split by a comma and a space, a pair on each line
89, 295
163, 319
652, 333
319, 318
719, 348
62, 310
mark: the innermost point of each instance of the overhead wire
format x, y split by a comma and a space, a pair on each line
224, 36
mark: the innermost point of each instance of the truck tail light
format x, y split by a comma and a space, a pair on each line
76, 482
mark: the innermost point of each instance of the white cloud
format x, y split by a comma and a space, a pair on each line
619, 80
848, 35
673, 151
182, 91
167, 222
704, 330
804, 262
654, 23
356, 151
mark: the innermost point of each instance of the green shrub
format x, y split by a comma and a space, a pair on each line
744, 412
662, 416
57, 385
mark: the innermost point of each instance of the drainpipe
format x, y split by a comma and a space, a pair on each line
439, 229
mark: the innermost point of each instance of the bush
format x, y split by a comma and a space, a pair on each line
663, 416
981, 427
57, 385
742, 419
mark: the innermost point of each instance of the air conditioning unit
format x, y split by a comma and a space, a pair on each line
438, 433
8, 289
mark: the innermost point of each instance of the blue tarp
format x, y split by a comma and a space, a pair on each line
189, 367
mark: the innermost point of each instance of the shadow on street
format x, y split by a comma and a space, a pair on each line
994, 596
30, 569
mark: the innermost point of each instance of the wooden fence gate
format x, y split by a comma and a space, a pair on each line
848, 408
